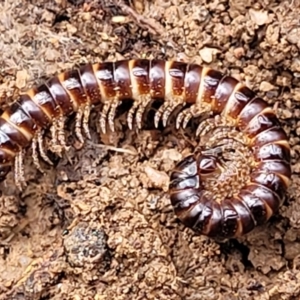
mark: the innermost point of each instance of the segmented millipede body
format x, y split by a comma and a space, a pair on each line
237, 177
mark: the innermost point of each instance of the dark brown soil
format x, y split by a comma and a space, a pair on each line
99, 224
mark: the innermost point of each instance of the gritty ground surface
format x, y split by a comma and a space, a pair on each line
98, 224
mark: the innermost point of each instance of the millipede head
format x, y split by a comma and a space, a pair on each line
186, 187
208, 165
190, 171
186, 180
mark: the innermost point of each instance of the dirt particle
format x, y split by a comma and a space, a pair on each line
158, 179
86, 248
266, 86
21, 79
207, 54
259, 17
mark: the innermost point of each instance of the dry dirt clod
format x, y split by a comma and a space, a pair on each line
86, 247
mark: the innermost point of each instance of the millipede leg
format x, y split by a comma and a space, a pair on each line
138, 108
194, 111
61, 133
16, 173
168, 112
21, 167
166, 109
19, 170
58, 142
215, 138
85, 121
239, 150
35, 158
78, 122
81, 122
53, 130
206, 125
112, 114
226, 150
145, 101
131, 112
217, 122
103, 116
39, 138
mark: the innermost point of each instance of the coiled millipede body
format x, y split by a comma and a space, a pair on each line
237, 177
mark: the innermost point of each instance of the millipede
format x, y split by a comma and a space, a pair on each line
236, 178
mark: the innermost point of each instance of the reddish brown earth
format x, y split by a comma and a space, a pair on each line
99, 225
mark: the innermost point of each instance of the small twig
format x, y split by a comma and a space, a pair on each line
146, 23
121, 150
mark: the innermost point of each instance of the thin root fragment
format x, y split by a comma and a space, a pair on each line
149, 24
112, 148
